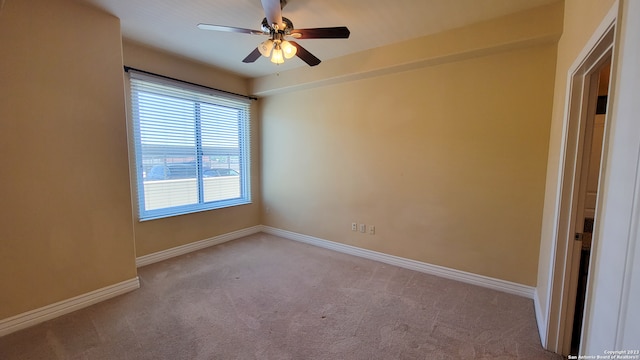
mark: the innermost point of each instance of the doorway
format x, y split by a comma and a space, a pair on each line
587, 197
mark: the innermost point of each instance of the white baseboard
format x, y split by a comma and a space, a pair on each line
184, 249
33, 317
63, 307
540, 319
441, 271
49, 312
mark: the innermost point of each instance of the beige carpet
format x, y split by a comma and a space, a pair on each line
263, 297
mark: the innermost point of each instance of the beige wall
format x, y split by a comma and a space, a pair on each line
65, 216
446, 157
162, 234
581, 18
441, 146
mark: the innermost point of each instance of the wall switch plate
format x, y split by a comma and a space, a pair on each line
363, 228
354, 226
372, 230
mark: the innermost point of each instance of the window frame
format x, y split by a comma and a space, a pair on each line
204, 95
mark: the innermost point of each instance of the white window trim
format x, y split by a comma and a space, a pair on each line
136, 155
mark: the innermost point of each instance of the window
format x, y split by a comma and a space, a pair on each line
191, 147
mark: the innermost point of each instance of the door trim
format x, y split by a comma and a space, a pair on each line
612, 322
597, 49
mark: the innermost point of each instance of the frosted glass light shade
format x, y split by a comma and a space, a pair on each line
288, 49
277, 57
265, 47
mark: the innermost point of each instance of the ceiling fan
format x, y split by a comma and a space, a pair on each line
277, 28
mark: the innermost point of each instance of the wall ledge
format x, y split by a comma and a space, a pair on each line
261, 91
534, 27
37, 316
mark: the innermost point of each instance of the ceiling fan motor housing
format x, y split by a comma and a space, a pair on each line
268, 29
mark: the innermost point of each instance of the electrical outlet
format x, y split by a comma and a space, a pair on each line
372, 230
363, 228
354, 226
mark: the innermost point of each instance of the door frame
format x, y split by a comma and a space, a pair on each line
583, 148
612, 319
563, 285
611, 322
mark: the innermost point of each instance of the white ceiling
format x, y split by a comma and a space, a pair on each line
170, 25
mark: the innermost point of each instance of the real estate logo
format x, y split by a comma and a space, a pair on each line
610, 355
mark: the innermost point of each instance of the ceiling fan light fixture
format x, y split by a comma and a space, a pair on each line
288, 49
265, 47
277, 27
277, 56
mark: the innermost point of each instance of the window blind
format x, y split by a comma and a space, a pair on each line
191, 145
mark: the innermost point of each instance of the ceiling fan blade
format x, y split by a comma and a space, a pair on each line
305, 55
340, 32
229, 29
273, 12
255, 54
